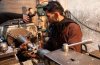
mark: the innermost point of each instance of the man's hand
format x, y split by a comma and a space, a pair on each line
25, 18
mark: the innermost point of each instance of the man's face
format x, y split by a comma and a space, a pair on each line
51, 17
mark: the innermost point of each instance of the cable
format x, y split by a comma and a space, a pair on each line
80, 21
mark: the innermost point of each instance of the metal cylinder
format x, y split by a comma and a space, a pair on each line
42, 52
65, 47
21, 39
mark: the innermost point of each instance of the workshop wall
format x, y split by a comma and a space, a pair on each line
87, 12
16, 6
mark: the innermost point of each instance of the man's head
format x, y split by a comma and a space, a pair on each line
30, 10
54, 11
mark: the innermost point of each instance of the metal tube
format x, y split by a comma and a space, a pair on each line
83, 42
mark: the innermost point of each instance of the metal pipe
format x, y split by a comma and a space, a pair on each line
83, 42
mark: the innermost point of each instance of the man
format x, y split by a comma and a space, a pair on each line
31, 13
62, 29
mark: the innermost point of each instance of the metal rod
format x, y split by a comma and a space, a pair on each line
83, 42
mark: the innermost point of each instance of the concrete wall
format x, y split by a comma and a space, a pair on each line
87, 12
64, 3
16, 5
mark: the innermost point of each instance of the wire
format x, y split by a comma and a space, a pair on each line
81, 22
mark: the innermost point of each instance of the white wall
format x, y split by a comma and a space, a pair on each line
87, 11
64, 3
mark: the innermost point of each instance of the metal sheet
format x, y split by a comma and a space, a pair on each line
71, 58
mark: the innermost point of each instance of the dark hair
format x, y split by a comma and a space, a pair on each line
53, 6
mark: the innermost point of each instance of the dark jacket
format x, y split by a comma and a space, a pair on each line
66, 31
